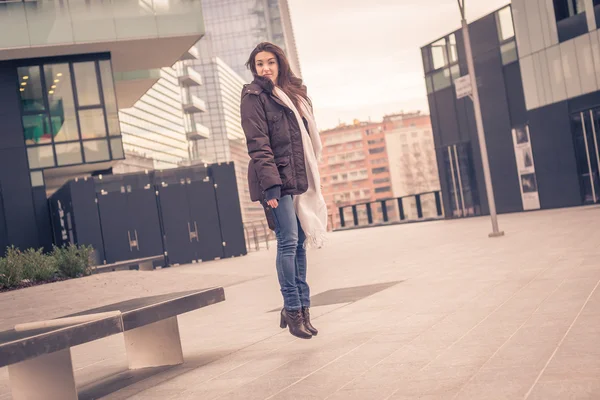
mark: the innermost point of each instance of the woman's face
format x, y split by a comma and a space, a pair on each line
266, 65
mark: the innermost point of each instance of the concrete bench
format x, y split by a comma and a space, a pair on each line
142, 264
38, 355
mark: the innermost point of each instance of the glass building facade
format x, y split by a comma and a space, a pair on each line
69, 114
156, 127
66, 68
235, 27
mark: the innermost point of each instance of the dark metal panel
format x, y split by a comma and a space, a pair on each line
42, 215
205, 218
515, 94
86, 217
498, 131
145, 225
116, 228
175, 214
18, 199
572, 27
446, 116
230, 214
554, 156
4, 242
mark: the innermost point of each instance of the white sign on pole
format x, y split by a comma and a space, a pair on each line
463, 86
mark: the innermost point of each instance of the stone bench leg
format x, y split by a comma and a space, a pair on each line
154, 345
48, 377
146, 266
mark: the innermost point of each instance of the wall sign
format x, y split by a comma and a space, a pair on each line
526, 168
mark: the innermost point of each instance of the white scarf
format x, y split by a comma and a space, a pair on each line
311, 208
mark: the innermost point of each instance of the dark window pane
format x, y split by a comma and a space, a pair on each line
87, 84
380, 170
30, 86
36, 129
116, 146
377, 150
96, 150
564, 9
92, 123
110, 99
61, 103
40, 157
383, 189
68, 153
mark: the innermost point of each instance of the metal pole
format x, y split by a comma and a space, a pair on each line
479, 120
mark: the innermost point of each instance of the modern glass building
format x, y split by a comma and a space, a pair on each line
235, 27
161, 124
538, 70
66, 69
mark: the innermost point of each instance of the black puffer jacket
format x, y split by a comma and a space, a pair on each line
274, 142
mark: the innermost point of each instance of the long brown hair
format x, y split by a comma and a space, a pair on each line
286, 80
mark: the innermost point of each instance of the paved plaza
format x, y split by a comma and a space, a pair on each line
432, 310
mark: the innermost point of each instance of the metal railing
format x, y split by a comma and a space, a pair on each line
387, 211
257, 233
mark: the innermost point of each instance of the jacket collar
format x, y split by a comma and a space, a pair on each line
261, 84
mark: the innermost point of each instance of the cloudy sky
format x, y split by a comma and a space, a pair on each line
362, 59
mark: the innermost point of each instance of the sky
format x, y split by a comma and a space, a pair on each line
362, 59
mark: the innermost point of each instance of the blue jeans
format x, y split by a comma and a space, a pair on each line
291, 256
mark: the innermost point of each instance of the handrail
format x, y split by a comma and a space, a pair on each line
384, 209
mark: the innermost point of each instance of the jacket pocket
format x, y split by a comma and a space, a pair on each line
274, 119
285, 171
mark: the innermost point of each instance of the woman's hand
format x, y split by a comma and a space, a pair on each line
273, 203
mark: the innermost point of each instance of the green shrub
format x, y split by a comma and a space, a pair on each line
73, 261
11, 268
38, 266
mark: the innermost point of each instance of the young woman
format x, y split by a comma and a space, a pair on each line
284, 147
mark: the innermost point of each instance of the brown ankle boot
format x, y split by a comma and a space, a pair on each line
295, 322
307, 323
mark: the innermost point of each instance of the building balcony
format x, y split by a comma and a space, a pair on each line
193, 104
192, 54
140, 35
188, 76
197, 131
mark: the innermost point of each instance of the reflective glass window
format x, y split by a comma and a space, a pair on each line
92, 123
110, 99
509, 52
96, 150
40, 157
68, 153
87, 84
441, 79
36, 129
61, 102
37, 178
438, 54
506, 29
116, 147
30, 87
452, 50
